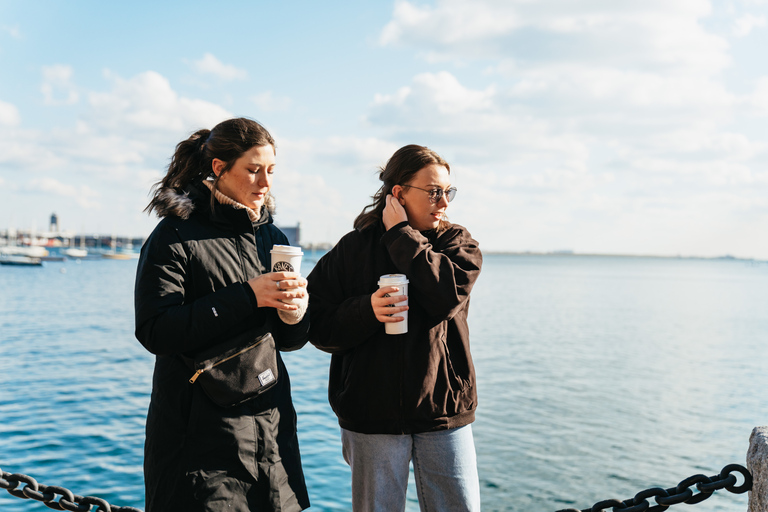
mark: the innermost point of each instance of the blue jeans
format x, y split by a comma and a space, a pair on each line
444, 466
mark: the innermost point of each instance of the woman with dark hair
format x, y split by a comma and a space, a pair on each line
408, 396
202, 283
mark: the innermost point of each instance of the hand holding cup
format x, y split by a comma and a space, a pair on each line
278, 289
390, 303
382, 302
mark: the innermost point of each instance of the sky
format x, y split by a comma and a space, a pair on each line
593, 126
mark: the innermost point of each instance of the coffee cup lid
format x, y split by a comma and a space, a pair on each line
287, 249
393, 279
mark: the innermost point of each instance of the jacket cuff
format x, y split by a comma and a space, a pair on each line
251, 295
395, 231
294, 317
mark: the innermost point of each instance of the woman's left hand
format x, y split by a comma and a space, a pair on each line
393, 213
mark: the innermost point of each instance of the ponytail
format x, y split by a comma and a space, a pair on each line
188, 165
372, 213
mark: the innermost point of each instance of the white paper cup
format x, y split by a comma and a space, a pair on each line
286, 258
401, 281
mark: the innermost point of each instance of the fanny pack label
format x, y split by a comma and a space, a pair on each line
266, 377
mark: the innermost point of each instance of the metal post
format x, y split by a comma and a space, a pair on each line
757, 464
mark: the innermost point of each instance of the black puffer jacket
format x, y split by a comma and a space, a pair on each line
191, 293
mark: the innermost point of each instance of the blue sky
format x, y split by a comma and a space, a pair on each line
595, 126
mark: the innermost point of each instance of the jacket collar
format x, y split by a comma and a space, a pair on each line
196, 197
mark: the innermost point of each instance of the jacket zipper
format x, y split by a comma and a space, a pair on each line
202, 370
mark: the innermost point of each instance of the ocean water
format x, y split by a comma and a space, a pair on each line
598, 377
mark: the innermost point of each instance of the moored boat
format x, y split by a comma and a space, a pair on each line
120, 255
74, 252
21, 260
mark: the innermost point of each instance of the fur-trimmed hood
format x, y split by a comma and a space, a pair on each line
174, 203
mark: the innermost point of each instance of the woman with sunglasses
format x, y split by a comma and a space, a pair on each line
407, 396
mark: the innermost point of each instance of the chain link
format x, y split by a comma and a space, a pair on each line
47, 494
682, 493
664, 498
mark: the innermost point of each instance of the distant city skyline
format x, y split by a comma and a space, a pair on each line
634, 127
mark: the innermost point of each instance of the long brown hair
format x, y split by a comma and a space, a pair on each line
192, 160
400, 169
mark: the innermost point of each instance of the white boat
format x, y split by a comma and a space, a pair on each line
74, 252
20, 260
32, 251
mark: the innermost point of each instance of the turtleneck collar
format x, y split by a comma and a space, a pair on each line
254, 215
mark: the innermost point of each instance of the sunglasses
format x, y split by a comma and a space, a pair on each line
436, 194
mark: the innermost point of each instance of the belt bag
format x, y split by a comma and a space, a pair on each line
236, 371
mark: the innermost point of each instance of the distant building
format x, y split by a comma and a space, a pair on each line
293, 234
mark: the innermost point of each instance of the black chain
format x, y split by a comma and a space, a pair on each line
683, 493
47, 494
665, 498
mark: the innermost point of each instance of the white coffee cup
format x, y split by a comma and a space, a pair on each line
286, 258
401, 281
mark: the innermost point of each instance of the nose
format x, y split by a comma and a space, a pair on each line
443, 202
264, 179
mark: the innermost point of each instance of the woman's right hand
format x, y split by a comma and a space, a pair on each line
275, 287
393, 213
383, 306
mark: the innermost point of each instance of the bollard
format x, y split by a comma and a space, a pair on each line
757, 464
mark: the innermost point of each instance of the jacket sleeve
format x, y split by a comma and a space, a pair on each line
167, 321
290, 337
338, 322
441, 276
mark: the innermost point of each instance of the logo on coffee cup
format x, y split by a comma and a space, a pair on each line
282, 266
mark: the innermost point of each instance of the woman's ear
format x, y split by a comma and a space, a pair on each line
216, 166
397, 193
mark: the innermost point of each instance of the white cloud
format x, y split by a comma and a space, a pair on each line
604, 88
83, 195
269, 102
13, 31
57, 86
9, 114
449, 23
443, 91
437, 103
148, 102
744, 25
210, 65
651, 34
758, 100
